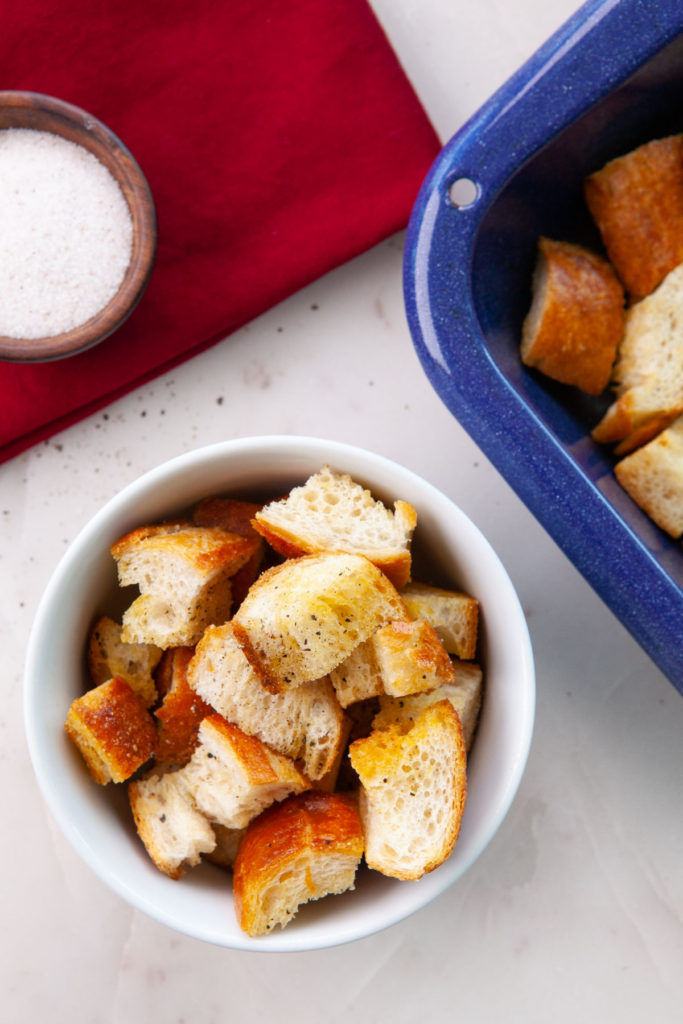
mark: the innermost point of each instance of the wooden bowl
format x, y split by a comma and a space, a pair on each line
44, 113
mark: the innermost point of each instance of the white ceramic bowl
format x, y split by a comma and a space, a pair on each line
97, 821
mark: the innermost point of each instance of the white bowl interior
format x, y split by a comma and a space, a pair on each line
96, 819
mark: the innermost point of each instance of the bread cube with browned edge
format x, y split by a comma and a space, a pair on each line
636, 200
235, 516
303, 849
576, 318
180, 713
174, 832
304, 617
653, 476
411, 657
413, 792
332, 512
232, 777
464, 693
113, 730
648, 375
184, 575
453, 614
304, 722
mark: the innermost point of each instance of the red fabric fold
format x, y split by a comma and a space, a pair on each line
280, 138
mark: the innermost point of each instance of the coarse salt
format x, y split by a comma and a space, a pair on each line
65, 234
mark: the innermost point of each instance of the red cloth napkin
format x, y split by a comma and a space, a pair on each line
280, 138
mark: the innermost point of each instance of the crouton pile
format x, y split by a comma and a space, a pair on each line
282, 699
617, 320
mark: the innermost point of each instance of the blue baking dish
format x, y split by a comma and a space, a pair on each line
610, 79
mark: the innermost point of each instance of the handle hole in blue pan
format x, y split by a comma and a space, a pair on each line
463, 192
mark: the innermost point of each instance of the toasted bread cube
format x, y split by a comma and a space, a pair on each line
413, 791
332, 512
305, 722
109, 656
303, 618
464, 693
653, 476
411, 657
454, 615
113, 730
174, 832
232, 777
181, 712
235, 516
636, 201
576, 319
302, 849
184, 575
649, 369
358, 677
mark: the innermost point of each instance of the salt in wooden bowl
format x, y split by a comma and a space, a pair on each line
46, 114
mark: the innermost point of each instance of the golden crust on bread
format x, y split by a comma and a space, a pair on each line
302, 849
181, 711
454, 615
464, 693
576, 319
636, 201
411, 657
332, 512
112, 729
235, 516
303, 618
232, 776
184, 574
413, 791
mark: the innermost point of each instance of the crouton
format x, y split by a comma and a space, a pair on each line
411, 657
232, 777
653, 476
181, 712
413, 791
302, 849
576, 319
331, 512
174, 832
636, 201
304, 722
235, 516
454, 615
303, 618
109, 656
648, 375
358, 677
464, 693
112, 729
183, 572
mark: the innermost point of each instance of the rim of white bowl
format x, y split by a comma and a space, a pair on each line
409, 897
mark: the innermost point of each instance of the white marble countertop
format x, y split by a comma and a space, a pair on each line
575, 910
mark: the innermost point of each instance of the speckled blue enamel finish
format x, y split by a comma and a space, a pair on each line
608, 80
